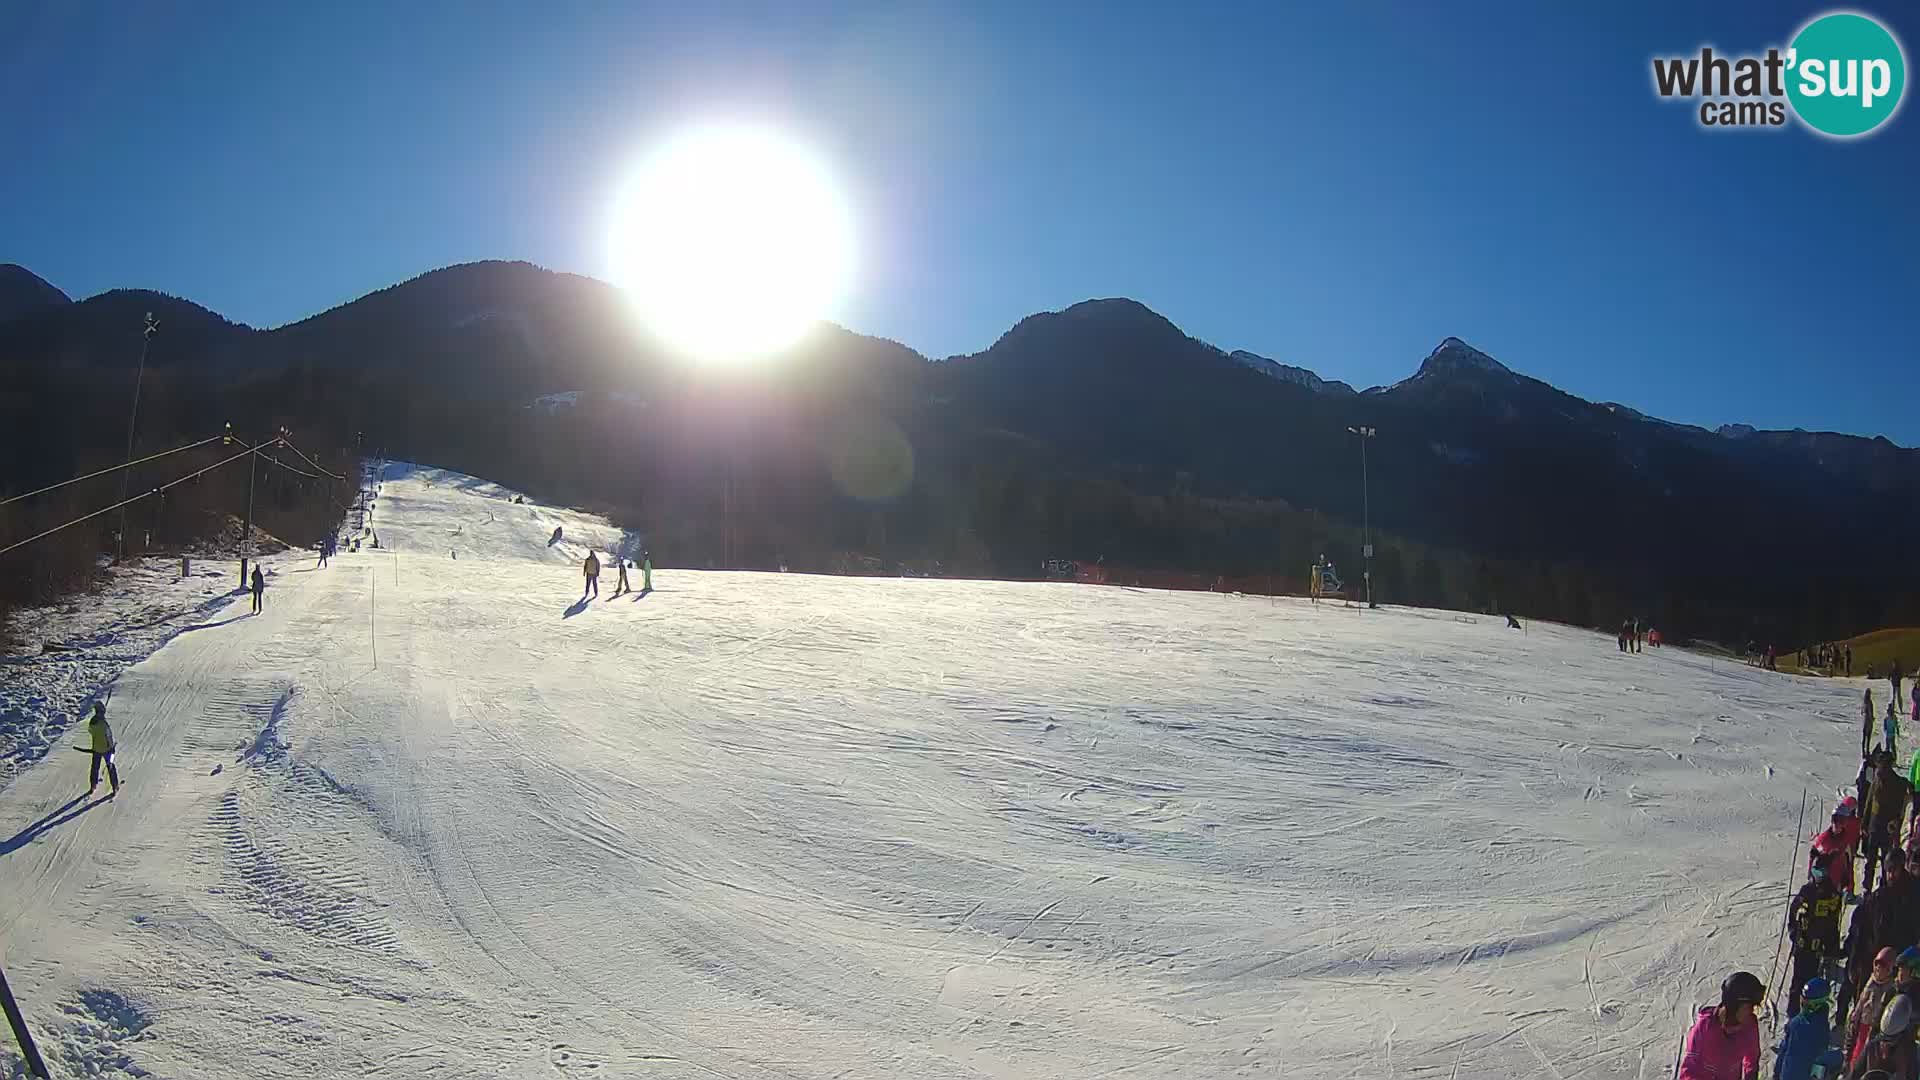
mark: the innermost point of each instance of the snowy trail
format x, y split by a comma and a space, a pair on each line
428, 817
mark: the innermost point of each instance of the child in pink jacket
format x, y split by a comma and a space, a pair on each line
1724, 1043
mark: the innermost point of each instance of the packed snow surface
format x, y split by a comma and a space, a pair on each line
427, 816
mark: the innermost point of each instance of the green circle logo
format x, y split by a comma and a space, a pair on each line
1846, 74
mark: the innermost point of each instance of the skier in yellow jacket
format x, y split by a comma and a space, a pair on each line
100, 736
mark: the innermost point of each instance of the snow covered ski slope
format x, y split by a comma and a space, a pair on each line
429, 817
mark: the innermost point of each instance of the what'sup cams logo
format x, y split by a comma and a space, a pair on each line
1843, 76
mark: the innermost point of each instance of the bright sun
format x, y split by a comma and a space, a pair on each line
732, 241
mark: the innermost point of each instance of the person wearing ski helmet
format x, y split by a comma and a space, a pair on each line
1813, 925
1846, 818
1891, 1049
1807, 1033
1832, 853
1873, 999
1724, 1042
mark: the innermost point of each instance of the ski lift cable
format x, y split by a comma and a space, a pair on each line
111, 468
284, 465
125, 502
288, 443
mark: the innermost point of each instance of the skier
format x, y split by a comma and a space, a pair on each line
1833, 848
1892, 1049
1724, 1042
1621, 638
1807, 1033
1873, 1000
1882, 823
100, 740
1890, 724
646, 571
1894, 678
593, 575
622, 586
259, 588
1886, 918
1813, 927
555, 538
323, 551
1871, 929
1886, 804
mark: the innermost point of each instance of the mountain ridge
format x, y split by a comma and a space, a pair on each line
1451, 358
22, 291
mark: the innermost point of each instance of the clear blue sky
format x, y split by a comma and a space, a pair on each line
1334, 185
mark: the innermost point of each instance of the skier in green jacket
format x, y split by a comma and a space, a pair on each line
100, 738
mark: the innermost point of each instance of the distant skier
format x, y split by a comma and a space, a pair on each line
259, 588
646, 571
555, 538
1513, 623
1890, 726
1894, 677
323, 551
621, 586
592, 569
100, 740
1813, 927
1724, 1042
1620, 639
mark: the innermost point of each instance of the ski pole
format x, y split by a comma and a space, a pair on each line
1781, 939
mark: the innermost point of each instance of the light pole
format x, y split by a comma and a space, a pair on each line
1366, 511
126, 474
246, 529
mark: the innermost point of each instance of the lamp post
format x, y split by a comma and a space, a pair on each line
133, 414
1366, 510
246, 529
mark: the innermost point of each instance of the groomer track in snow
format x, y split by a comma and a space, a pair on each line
417, 819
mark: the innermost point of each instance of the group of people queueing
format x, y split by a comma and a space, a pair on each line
1853, 1002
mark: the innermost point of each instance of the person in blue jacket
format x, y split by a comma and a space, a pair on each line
1807, 1034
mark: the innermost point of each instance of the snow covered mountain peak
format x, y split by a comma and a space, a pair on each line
1454, 355
1288, 373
